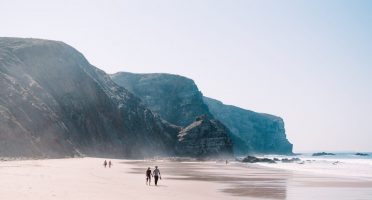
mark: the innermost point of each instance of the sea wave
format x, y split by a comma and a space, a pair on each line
344, 165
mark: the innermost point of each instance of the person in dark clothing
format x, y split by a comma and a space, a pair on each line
110, 164
156, 175
105, 163
148, 176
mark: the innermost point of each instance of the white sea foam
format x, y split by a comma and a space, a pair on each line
345, 165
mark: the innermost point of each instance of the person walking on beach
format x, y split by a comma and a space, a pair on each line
105, 163
110, 164
156, 175
148, 176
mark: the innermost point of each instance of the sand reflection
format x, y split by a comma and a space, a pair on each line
235, 180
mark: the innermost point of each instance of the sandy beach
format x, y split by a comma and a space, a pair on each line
86, 178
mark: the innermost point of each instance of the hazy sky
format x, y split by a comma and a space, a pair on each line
309, 62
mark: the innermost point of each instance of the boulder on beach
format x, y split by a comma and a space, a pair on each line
253, 159
323, 154
286, 160
361, 154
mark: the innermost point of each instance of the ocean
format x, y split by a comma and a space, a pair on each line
345, 164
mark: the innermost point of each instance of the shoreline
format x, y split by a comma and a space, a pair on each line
86, 178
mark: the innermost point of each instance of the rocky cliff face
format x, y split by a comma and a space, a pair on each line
251, 132
175, 98
54, 103
178, 100
204, 137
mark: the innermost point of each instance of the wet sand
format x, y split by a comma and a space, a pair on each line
86, 178
250, 181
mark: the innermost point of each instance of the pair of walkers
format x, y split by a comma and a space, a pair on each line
109, 164
155, 174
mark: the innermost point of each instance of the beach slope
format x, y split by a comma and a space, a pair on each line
87, 178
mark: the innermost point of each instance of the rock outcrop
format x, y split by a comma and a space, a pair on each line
175, 98
323, 154
253, 159
54, 103
251, 132
362, 154
204, 138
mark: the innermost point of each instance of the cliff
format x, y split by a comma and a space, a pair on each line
54, 103
252, 132
178, 100
175, 98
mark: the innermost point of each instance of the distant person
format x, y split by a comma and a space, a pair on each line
156, 175
227, 162
105, 163
148, 176
110, 164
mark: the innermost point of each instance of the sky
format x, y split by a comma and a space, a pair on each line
309, 62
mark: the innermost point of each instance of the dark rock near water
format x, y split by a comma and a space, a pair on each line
361, 154
323, 154
290, 160
204, 137
253, 159
251, 131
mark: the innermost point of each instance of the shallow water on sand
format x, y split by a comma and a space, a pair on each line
252, 181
